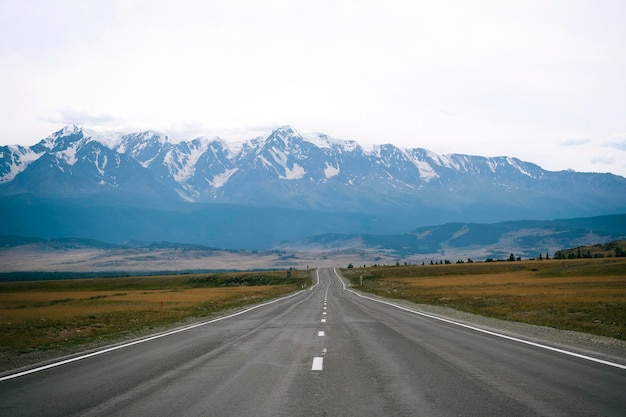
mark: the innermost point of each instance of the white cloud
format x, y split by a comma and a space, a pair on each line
71, 116
603, 160
575, 141
618, 142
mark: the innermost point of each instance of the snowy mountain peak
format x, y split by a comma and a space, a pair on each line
285, 131
69, 135
292, 169
142, 138
283, 135
67, 131
52, 140
324, 141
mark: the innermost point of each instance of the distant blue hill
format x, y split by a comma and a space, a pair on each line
524, 238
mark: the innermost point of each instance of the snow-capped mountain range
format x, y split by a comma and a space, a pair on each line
287, 169
201, 169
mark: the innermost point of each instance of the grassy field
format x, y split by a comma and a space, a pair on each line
49, 315
587, 295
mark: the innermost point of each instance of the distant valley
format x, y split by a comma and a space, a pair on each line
451, 242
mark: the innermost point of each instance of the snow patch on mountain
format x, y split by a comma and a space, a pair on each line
294, 173
183, 165
320, 140
110, 139
68, 155
147, 162
331, 171
492, 165
445, 161
323, 141
427, 173
279, 156
135, 144
515, 163
101, 167
16, 159
221, 179
234, 148
67, 131
373, 151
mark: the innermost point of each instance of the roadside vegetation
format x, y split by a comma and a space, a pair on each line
61, 315
587, 295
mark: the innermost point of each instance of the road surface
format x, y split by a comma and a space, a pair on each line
325, 351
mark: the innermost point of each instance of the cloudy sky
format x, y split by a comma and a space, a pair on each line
540, 80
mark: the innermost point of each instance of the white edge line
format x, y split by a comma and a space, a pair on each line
489, 332
147, 339
317, 275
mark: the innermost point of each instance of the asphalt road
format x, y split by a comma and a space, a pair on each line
322, 352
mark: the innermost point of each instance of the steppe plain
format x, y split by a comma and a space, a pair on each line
30, 258
582, 300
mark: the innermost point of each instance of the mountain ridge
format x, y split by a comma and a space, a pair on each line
153, 179
479, 241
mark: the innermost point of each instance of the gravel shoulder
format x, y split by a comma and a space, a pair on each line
605, 348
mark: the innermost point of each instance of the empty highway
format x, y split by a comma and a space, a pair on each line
324, 351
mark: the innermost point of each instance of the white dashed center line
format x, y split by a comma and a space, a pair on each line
318, 363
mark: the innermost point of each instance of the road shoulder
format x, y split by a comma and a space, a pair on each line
606, 348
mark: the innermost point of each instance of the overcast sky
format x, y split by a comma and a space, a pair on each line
544, 81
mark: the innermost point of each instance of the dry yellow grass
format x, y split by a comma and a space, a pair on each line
583, 295
18, 307
590, 289
54, 314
